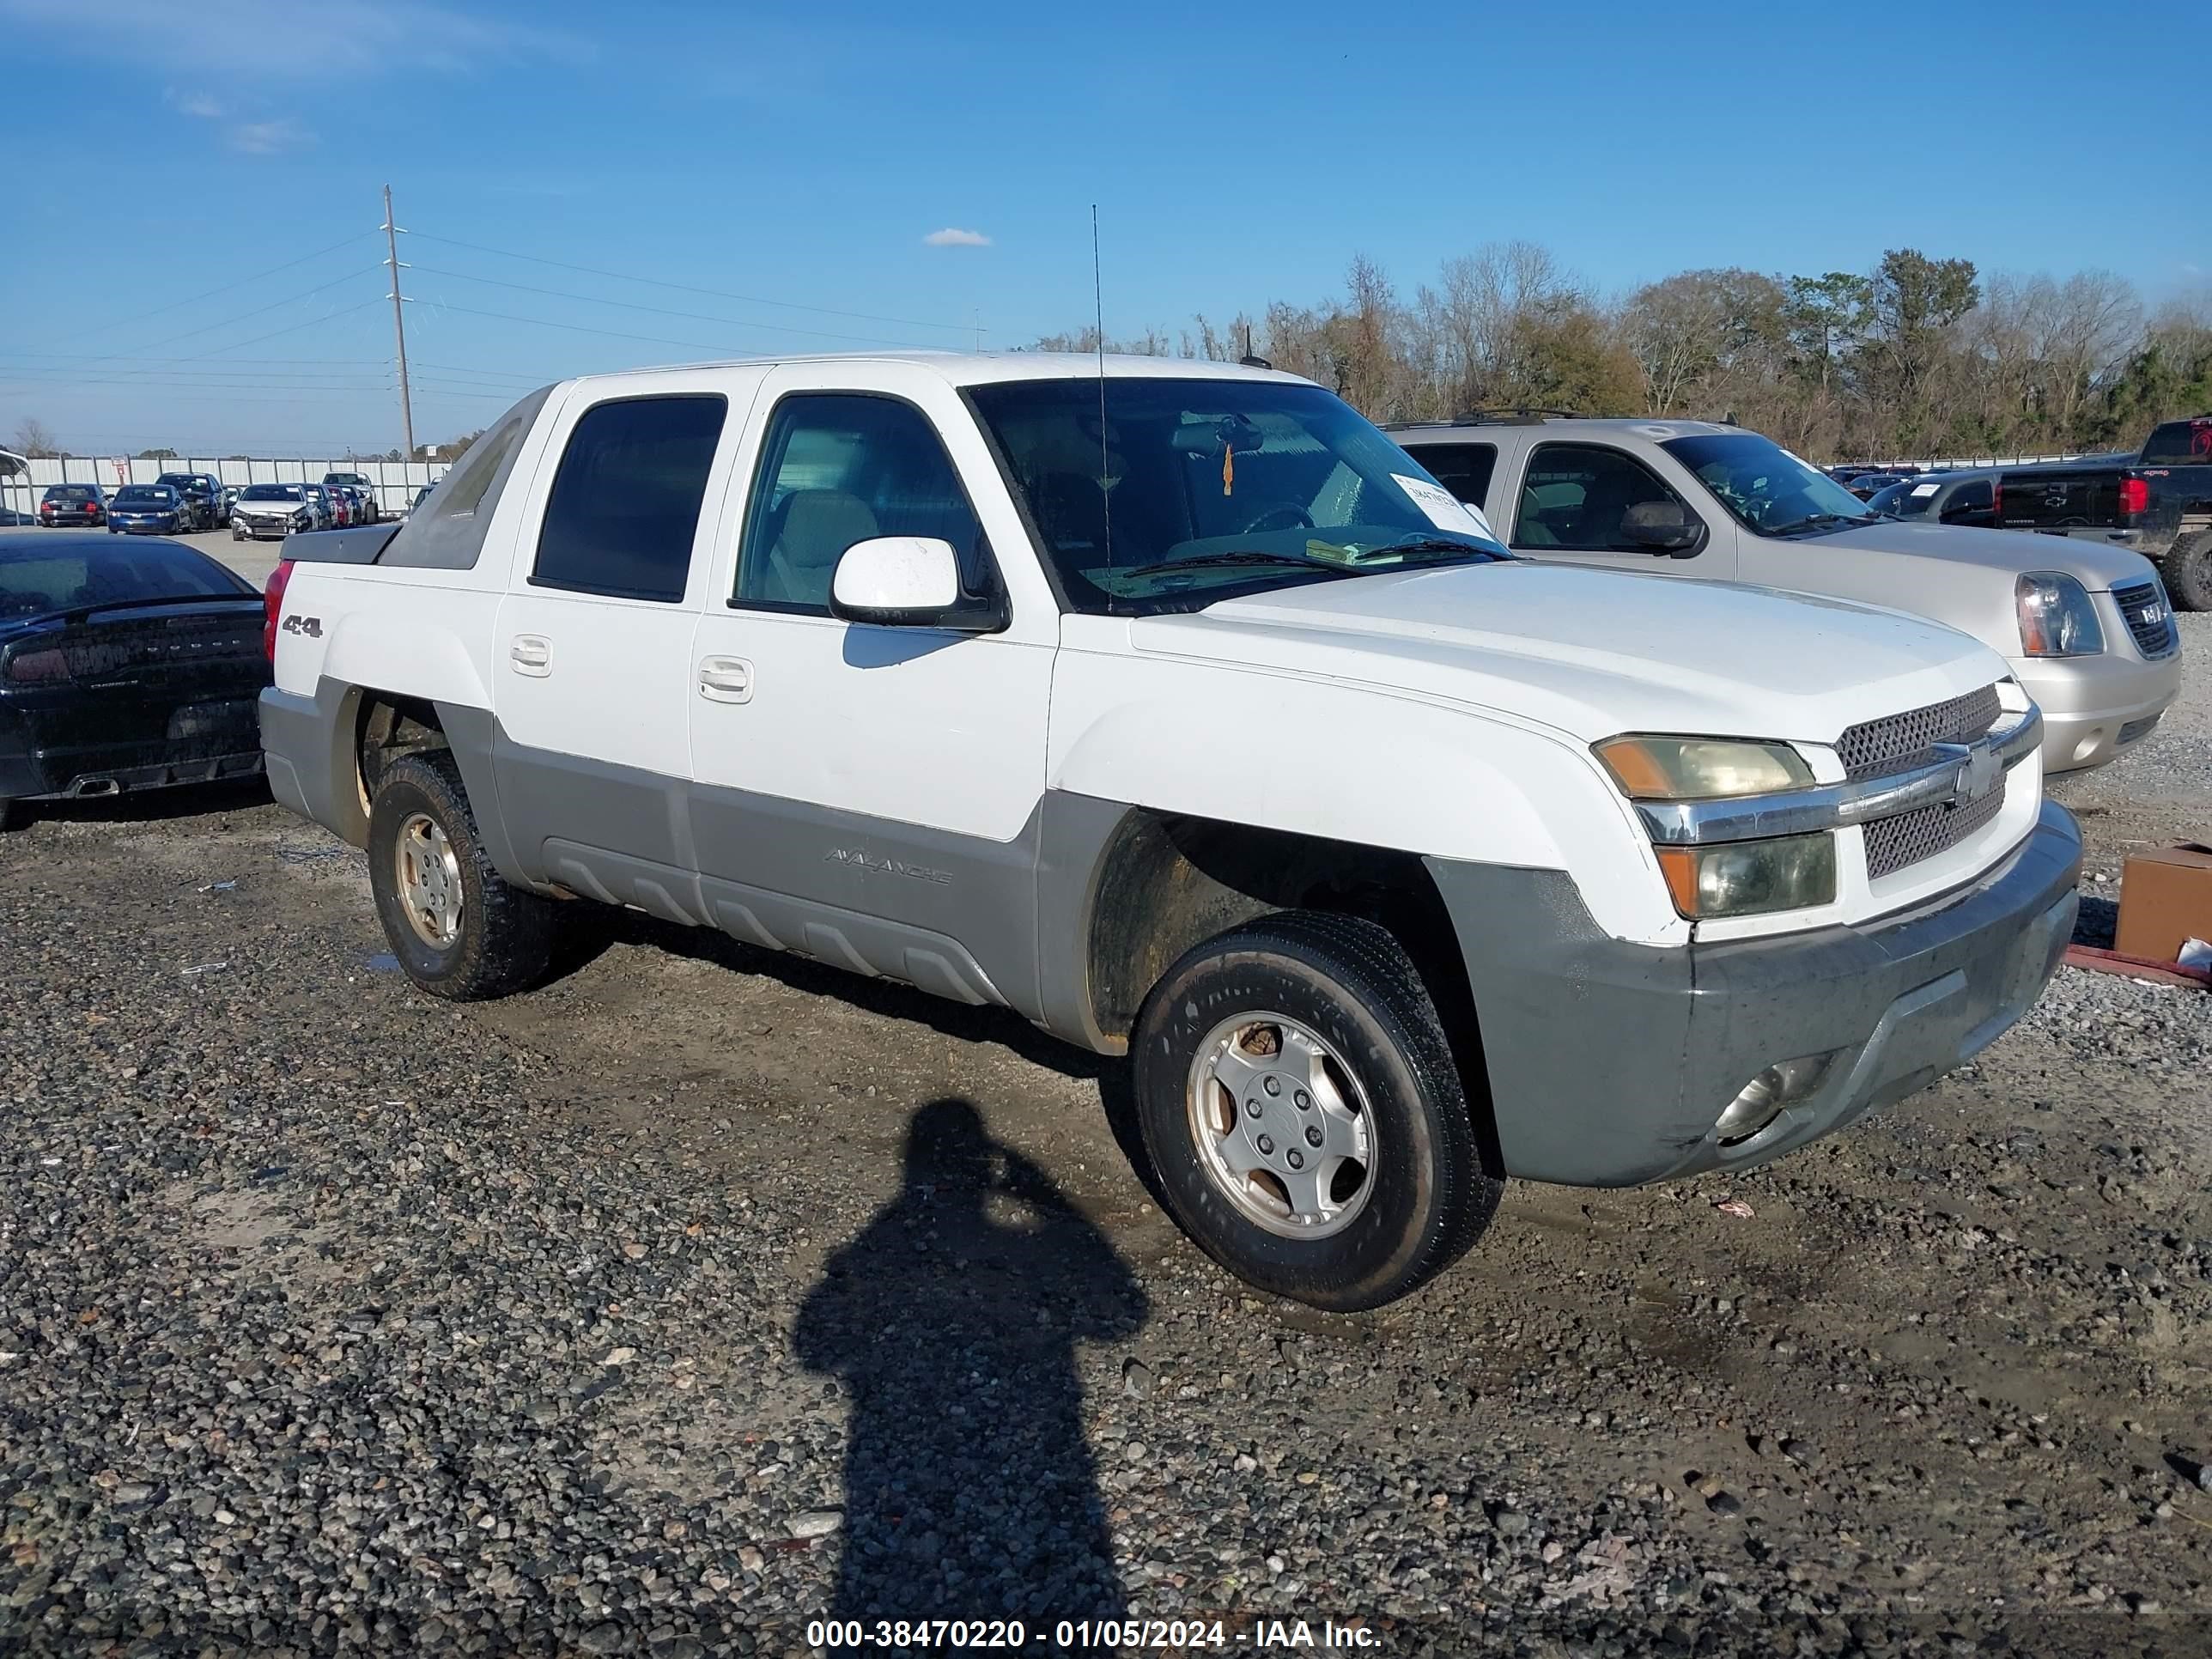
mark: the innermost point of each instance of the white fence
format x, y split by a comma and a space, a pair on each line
393, 482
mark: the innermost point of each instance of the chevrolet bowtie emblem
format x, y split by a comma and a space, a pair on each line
1978, 772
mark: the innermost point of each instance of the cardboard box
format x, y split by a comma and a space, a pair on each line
2165, 897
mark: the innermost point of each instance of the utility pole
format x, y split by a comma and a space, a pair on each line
398, 323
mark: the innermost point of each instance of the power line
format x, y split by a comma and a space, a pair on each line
576, 328
78, 356
243, 316
195, 386
685, 287
243, 281
488, 373
658, 310
274, 333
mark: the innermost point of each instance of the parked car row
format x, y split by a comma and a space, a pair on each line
200, 500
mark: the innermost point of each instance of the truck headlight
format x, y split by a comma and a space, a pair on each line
1751, 877
2057, 618
1701, 768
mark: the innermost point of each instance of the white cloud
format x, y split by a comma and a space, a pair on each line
197, 105
950, 237
269, 138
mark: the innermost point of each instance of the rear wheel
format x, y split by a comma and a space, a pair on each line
1301, 1108
2188, 570
458, 928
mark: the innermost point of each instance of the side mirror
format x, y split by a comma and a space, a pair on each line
910, 582
1663, 526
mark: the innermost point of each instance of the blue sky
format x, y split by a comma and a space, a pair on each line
803, 154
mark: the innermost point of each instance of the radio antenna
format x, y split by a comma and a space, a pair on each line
1098, 322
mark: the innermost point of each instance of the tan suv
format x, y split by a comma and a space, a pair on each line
2087, 628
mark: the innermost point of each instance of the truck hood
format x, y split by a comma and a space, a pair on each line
1595, 652
1876, 562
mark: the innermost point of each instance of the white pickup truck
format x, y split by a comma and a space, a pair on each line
1174, 707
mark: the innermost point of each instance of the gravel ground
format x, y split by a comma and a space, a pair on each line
704, 1292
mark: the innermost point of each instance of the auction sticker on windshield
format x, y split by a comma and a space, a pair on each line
1919, 490
1445, 510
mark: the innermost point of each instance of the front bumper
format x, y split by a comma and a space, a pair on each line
1609, 1063
2088, 703
261, 529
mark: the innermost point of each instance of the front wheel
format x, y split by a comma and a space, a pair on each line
1300, 1104
458, 928
2188, 570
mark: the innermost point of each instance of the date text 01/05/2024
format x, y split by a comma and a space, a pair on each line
1174, 1634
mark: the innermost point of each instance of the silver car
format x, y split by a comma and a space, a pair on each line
2087, 628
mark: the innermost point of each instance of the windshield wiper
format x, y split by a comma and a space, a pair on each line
1413, 544
1813, 521
1253, 556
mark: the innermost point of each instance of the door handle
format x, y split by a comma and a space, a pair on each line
725, 679
531, 655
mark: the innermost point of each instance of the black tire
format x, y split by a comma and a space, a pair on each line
11, 816
1354, 986
2188, 572
504, 942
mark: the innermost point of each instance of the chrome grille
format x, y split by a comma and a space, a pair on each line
1898, 743
1893, 843
2150, 618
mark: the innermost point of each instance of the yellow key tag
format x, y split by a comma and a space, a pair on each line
1228, 468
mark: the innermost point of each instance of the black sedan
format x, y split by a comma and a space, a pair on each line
122, 667
68, 504
150, 510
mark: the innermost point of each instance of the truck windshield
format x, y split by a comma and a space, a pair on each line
1765, 488
1194, 489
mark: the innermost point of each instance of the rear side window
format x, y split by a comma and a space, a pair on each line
1463, 469
2180, 443
839, 468
625, 504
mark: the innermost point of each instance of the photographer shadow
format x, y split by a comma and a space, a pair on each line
952, 1320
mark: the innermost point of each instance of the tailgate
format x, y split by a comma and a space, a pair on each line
2061, 500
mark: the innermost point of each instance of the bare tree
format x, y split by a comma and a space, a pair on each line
35, 440
1921, 354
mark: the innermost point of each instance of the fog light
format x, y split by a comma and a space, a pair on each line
1763, 1099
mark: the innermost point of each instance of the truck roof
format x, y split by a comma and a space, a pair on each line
1643, 426
985, 368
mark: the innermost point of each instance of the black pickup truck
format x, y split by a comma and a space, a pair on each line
2158, 502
